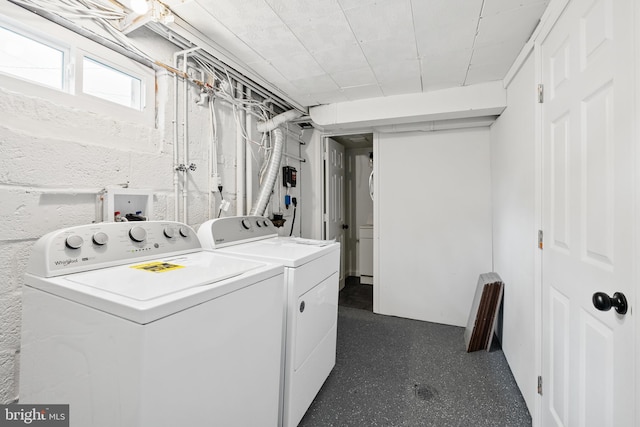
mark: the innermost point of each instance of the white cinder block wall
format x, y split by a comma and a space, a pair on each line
54, 159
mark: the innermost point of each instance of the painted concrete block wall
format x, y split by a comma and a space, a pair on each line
55, 159
433, 222
514, 225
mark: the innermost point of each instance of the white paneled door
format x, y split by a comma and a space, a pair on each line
334, 215
587, 215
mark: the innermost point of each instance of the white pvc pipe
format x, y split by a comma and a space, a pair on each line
176, 148
213, 157
249, 158
185, 139
176, 209
240, 155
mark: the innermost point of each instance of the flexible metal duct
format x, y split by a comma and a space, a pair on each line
274, 161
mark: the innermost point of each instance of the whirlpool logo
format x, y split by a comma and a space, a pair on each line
34, 415
66, 262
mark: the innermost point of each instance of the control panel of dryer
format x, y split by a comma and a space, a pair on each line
221, 232
100, 245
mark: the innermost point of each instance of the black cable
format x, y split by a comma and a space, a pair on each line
295, 207
293, 221
221, 200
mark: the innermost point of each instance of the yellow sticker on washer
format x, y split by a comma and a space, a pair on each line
157, 267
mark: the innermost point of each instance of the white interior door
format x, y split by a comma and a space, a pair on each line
334, 212
587, 215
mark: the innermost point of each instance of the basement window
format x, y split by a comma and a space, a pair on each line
41, 59
111, 84
28, 59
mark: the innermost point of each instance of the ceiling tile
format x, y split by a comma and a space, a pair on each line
518, 23
319, 51
389, 50
400, 87
382, 20
273, 42
444, 70
438, 41
360, 92
240, 16
397, 70
449, 16
492, 62
341, 58
216, 31
328, 97
494, 7
325, 31
303, 10
350, 4
298, 66
322, 83
356, 77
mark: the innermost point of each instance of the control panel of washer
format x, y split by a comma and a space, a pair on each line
220, 232
100, 245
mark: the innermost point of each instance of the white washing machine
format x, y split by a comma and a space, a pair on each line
134, 325
311, 277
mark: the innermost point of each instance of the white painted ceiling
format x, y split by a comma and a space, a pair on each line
326, 51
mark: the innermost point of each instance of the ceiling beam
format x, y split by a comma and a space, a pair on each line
485, 99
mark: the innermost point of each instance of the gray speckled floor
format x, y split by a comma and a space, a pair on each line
398, 372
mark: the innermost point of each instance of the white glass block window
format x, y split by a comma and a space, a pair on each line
28, 59
111, 84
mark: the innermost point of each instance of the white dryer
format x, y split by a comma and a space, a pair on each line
311, 278
134, 325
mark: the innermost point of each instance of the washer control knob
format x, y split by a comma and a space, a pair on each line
74, 241
246, 224
184, 231
169, 232
138, 234
100, 238
266, 223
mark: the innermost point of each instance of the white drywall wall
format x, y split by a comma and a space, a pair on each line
434, 222
514, 225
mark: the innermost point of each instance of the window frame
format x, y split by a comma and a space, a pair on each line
75, 47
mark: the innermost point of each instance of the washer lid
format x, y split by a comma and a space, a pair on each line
147, 291
291, 252
156, 278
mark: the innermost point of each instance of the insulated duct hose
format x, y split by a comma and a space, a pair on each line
273, 168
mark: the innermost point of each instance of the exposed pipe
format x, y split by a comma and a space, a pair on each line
177, 167
274, 161
248, 158
276, 121
176, 179
240, 153
213, 157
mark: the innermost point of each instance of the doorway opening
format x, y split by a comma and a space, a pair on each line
348, 208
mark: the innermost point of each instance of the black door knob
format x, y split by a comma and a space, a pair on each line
345, 226
604, 302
